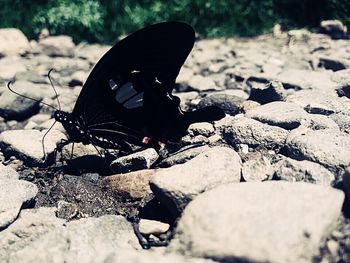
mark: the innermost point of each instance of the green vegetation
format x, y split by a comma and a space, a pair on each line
106, 20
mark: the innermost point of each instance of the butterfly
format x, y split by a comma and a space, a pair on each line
127, 98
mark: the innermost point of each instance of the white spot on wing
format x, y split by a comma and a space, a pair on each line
112, 84
134, 102
125, 92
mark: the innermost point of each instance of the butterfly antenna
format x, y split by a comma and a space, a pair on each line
49, 76
43, 139
24, 96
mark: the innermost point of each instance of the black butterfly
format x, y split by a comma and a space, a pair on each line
127, 97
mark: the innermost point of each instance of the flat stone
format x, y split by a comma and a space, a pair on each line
13, 106
272, 221
330, 148
27, 144
179, 184
319, 102
8, 173
200, 83
148, 227
272, 91
135, 161
242, 130
57, 46
12, 42
343, 121
13, 195
257, 169
201, 128
133, 184
293, 170
183, 155
229, 103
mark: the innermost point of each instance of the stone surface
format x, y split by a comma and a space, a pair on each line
135, 161
148, 227
272, 91
331, 148
242, 130
257, 169
8, 173
293, 170
262, 222
229, 103
179, 184
57, 46
12, 42
27, 144
13, 195
133, 184
201, 128
201, 83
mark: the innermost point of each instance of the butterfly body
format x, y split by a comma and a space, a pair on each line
127, 97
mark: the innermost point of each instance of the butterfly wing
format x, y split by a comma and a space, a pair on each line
136, 74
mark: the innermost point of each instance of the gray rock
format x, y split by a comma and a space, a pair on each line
343, 121
91, 53
13, 195
13, 106
78, 78
135, 161
257, 169
27, 144
183, 155
9, 67
331, 148
30, 225
179, 184
307, 79
85, 240
31, 76
229, 103
272, 91
293, 170
333, 63
200, 83
54, 46
242, 130
12, 42
318, 102
8, 173
148, 227
259, 222
201, 128
334, 28
289, 116
186, 98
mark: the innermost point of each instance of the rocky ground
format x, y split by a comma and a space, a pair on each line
267, 183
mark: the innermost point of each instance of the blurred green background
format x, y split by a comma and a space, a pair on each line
104, 21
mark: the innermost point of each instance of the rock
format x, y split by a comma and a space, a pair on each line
200, 83
289, 116
133, 184
12, 42
179, 184
184, 78
91, 53
27, 144
13, 106
135, 161
229, 103
333, 63
306, 79
100, 239
293, 170
343, 121
258, 222
282, 114
148, 227
257, 169
187, 98
272, 91
31, 76
9, 67
317, 102
14, 195
66, 210
201, 128
334, 28
78, 78
29, 226
183, 155
330, 148
243, 130
8, 173
57, 46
